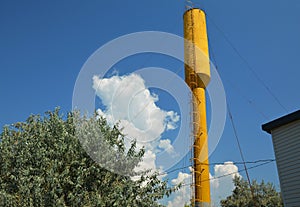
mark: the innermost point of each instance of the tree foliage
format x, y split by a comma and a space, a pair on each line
265, 195
42, 163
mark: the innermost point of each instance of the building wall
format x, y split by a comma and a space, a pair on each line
286, 141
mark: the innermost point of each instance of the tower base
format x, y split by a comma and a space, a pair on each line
202, 204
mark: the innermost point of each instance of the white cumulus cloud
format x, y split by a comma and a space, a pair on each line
129, 102
183, 195
165, 144
221, 187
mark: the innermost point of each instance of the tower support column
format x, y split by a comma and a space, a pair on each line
197, 76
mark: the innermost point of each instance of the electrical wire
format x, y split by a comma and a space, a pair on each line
228, 174
225, 175
238, 142
251, 102
250, 68
241, 152
219, 163
231, 116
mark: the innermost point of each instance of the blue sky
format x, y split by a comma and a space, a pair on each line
43, 46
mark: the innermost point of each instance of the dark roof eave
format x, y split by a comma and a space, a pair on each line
268, 127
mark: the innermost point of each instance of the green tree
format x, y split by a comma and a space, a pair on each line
43, 163
265, 195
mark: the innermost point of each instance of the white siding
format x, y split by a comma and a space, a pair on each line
286, 141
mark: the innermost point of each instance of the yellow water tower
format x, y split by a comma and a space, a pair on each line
197, 76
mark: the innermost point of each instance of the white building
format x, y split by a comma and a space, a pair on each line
285, 133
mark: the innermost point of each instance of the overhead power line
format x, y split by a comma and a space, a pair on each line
232, 173
250, 68
220, 163
241, 152
238, 142
237, 89
228, 174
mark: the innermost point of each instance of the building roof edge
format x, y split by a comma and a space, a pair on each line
268, 127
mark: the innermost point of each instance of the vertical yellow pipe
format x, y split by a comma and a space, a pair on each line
197, 76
